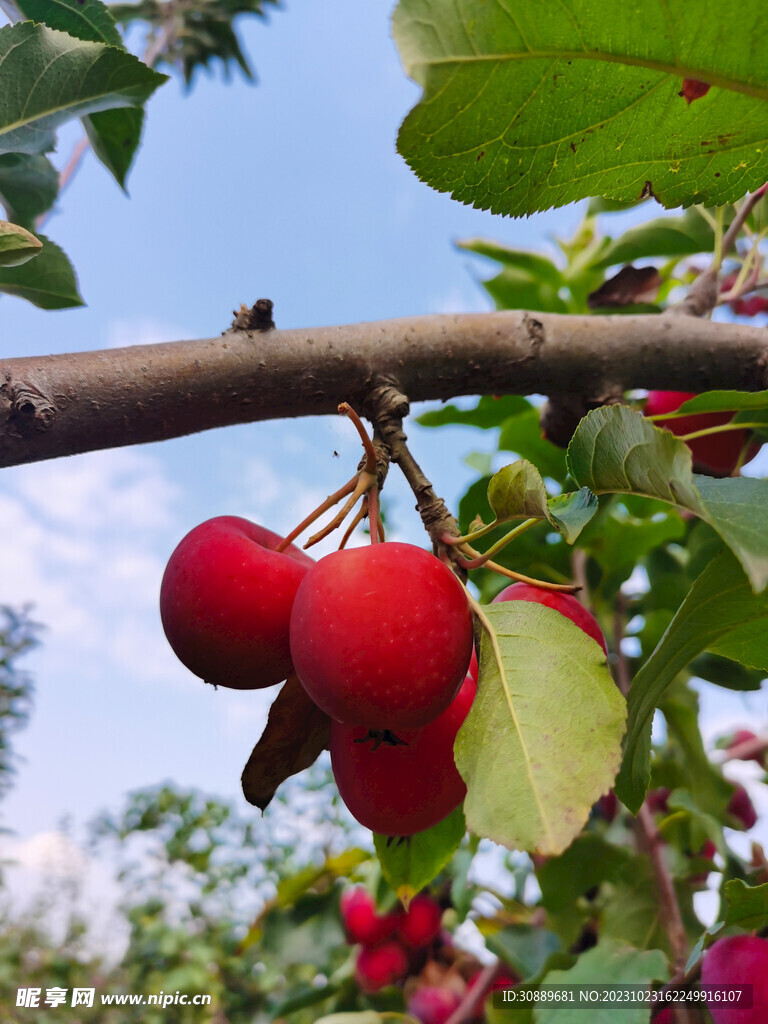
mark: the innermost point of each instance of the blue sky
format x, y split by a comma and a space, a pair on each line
291, 189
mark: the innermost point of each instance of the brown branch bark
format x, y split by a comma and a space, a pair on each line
65, 404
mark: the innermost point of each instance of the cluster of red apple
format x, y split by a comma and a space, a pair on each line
409, 948
380, 637
716, 454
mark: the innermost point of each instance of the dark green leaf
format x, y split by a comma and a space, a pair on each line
747, 905
525, 108
720, 614
588, 861
48, 281
28, 186
114, 136
726, 672
83, 19
56, 77
521, 433
409, 867
526, 949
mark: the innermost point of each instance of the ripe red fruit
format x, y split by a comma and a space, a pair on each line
420, 924
656, 800
738, 960
433, 1005
406, 787
667, 1016
379, 966
361, 921
381, 636
716, 453
566, 604
608, 806
742, 808
226, 600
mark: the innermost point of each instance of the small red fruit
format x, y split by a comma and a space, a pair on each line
420, 924
744, 736
379, 966
716, 453
738, 960
226, 599
608, 806
742, 808
656, 800
566, 604
381, 636
433, 1005
667, 1016
707, 852
361, 921
401, 787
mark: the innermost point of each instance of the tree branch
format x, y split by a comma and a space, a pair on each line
65, 404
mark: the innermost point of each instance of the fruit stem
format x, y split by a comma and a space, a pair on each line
473, 535
363, 485
370, 452
566, 588
479, 560
330, 501
359, 517
717, 430
374, 520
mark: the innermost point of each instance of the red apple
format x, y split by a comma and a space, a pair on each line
398, 788
566, 604
738, 960
362, 922
226, 600
742, 808
432, 1005
715, 454
381, 636
420, 924
379, 966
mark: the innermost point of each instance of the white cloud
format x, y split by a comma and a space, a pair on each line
143, 331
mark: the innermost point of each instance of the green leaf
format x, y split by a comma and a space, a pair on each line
409, 867
709, 789
114, 134
537, 267
525, 948
514, 289
665, 236
526, 108
726, 673
533, 771
489, 412
17, 245
624, 541
720, 614
607, 962
518, 492
56, 77
725, 401
28, 186
615, 449
747, 905
570, 513
588, 861
49, 282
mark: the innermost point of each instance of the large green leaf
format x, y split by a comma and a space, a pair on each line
606, 963
29, 185
408, 867
542, 740
720, 614
615, 449
56, 77
530, 104
747, 905
114, 134
48, 281
17, 245
664, 236
588, 861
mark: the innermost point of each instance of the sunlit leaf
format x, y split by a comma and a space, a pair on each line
410, 866
17, 245
48, 281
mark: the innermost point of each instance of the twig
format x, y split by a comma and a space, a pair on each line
651, 840
703, 294
470, 1007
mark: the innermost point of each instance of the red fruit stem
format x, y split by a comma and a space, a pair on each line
374, 520
370, 452
473, 535
359, 517
364, 483
471, 1006
330, 501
